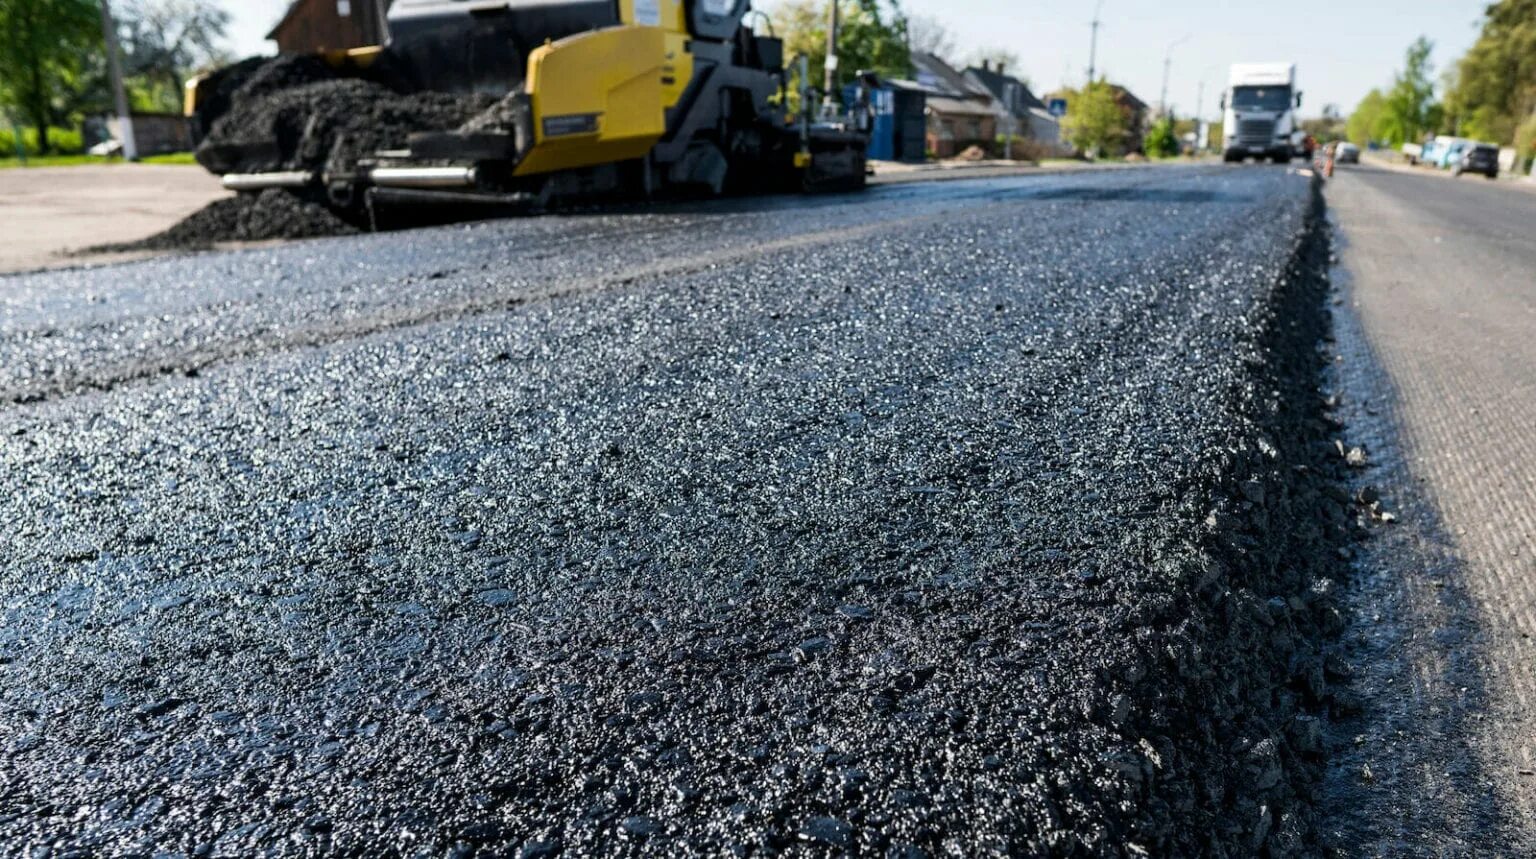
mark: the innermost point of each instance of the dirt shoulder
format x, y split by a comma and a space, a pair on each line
50, 211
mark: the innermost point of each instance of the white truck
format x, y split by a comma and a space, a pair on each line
1259, 113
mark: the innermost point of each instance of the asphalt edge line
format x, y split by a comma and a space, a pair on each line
1234, 704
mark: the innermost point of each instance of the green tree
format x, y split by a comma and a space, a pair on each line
1096, 123
1161, 141
164, 42
1494, 87
1410, 109
1525, 141
44, 49
1365, 122
872, 37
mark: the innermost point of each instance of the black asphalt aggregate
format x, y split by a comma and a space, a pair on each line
870, 524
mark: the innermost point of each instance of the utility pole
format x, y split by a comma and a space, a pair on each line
1201, 140
1010, 98
1162, 99
1162, 102
1093, 44
119, 95
828, 104
1201, 126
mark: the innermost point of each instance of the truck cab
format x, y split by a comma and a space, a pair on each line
1259, 111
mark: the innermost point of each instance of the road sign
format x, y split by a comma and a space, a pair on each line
1058, 107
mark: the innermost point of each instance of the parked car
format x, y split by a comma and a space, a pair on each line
1477, 158
1346, 153
1439, 151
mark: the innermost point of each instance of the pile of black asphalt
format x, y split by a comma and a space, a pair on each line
293, 113
275, 213
976, 518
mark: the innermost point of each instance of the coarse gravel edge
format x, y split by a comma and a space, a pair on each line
1234, 704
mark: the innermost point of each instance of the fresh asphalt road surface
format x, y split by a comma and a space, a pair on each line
1441, 276
937, 519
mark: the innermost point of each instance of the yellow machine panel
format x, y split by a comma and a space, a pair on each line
602, 96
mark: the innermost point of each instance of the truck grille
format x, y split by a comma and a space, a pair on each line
1255, 132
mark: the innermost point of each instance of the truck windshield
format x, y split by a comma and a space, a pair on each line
1261, 98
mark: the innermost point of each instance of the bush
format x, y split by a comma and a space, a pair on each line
1161, 142
66, 140
63, 140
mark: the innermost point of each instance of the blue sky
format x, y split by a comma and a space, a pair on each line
1342, 49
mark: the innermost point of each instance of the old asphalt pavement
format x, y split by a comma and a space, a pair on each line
1438, 334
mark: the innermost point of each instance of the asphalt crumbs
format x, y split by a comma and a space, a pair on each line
976, 517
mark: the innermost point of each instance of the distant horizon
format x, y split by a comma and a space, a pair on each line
1358, 49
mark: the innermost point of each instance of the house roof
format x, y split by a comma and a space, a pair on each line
996, 83
957, 106
908, 86
933, 72
1125, 97
296, 5
282, 22
1128, 98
